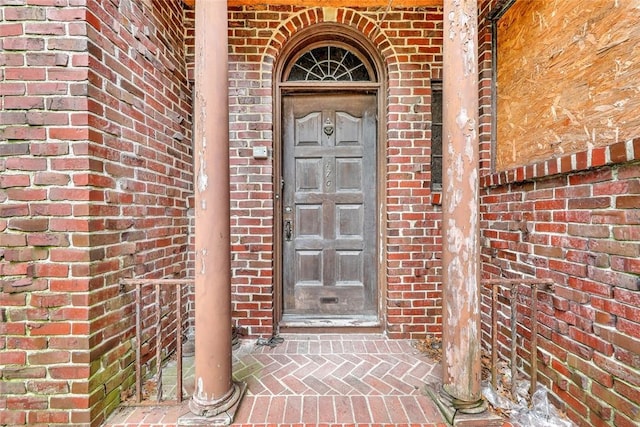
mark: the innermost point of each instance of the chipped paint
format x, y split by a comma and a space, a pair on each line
470, 137
467, 35
462, 119
462, 22
452, 28
199, 392
203, 258
203, 178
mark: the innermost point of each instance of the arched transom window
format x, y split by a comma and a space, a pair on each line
330, 63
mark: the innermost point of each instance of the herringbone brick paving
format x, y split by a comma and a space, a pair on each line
321, 380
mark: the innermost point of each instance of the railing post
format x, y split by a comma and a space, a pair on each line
494, 335
514, 339
179, 344
138, 344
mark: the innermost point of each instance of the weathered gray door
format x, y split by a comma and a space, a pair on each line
329, 206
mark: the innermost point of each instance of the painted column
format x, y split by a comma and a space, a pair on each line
215, 392
461, 248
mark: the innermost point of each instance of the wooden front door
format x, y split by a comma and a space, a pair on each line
329, 207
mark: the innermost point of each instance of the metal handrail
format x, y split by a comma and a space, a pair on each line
158, 283
535, 284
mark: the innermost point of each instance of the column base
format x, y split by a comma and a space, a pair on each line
477, 416
220, 413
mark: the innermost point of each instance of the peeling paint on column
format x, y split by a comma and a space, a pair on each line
470, 137
199, 392
215, 391
451, 16
461, 251
466, 26
203, 179
462, 119
467, 38
203, 257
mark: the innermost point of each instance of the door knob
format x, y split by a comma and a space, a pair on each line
328, 127
288, 230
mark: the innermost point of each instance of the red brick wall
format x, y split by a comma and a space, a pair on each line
44, 325
580, 228
413, 221
140, 140
95, 185
95, 167
573, 219
410, 46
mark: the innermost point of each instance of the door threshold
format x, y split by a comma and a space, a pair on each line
291, 321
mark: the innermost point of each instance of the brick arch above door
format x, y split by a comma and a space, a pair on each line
351, 19
403, 55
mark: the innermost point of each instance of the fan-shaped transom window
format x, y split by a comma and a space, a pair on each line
330, 63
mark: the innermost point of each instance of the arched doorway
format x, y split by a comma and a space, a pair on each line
328, 163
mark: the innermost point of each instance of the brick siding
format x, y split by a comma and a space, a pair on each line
44, 200
580, 229
95, 167
140, 141
96, 185
573, 219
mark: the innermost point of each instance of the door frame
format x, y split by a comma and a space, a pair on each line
316, 34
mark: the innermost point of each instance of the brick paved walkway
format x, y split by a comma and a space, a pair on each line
361, 380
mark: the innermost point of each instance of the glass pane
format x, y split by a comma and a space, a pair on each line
329, 63
436, 134
436, 171
436, 105
436, 139
297, 74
